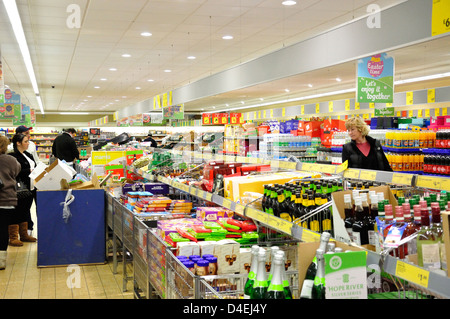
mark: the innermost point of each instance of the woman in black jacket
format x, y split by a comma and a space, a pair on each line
23, 221
363, 151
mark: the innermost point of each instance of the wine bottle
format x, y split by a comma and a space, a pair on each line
286, 286
436, 227
318, 291
360, 229
273, 251
427, 244
248, 288
348, 211
260, 283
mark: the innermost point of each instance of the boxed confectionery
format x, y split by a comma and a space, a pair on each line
165, 227
187, 249
207, 247
213, 213
154, 188
228, 256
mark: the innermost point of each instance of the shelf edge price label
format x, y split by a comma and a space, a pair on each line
279, 224
351, 173
367, 175
412, 273
226, 203
400, 178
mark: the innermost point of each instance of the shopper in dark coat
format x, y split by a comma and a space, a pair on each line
22, 219
151, 140
363, 151
9, 169
65, 148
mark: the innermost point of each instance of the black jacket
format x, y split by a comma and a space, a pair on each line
65, 148
25, 167
152, 141
375, 160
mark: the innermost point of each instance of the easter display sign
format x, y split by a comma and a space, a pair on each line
375, 79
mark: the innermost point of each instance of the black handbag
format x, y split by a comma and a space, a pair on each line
22, 190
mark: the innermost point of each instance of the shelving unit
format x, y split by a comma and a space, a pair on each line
425, 280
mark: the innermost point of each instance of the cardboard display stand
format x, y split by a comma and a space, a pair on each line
79, 239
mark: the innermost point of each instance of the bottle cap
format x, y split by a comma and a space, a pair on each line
399, 213
423, 203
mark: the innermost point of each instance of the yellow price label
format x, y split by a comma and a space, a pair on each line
208, 196
440, 17
330, 106
444, 111
284, 164
330, 169
226, 203
437, 112
427, 112
388, 104
271, 113
351, 173
308, 236
342, 167
410, 113
357, 106
409, 98
239, 209
367, 175
431, 182
347, 105
302, 110
412, 273
317, 108
420, 113
403, 179
372, 105
283, 111
279, 224
307, 167
264, 114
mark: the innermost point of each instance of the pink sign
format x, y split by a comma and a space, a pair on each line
375, 66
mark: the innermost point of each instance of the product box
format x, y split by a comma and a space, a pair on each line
187, 249
334, 125
245, 255
306, 253
207, 247
340, 233
94, 183
446, 228
50, 177
313, 128
228, 256
212, 214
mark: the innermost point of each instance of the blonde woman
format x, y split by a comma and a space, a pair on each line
9, 170
363, 151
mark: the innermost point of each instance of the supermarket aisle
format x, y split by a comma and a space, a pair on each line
22, 279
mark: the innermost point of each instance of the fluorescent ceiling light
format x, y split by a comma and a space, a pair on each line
289, 3
191, 57
74, 113
16, 23
113, 69
423, 78
227, 37
146, 34
126, 55
167, 71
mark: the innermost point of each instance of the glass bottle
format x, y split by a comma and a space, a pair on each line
436, 227
372, 224
318, 291
427, 244
276, 289
260, 283
360, 234
248, 288
273, 251
308, 282
349, 219
326, 216
286, 287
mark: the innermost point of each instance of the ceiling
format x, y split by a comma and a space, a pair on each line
71, 62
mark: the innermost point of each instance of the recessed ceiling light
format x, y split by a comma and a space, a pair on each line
146, 34
124, 97
286, 90
289, 3
103, 79
310, 85
113, 69
167, 71
227, 37
338, 79
191, 57
96, 87
242, 102
126, 55
150, 80
117, 100
138, 87
261, 99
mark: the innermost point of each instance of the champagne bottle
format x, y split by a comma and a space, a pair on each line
260, 284
273, 251
275, 289
318, 291
286, 287
248, 288
308, 282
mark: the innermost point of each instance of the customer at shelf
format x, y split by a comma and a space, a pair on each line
22, 220
151, 140
9, 169
363, 151
22, 129
65, 148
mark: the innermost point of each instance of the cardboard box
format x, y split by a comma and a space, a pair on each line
446, 227
306, 253
187, 249
245, 255
94, 183
206, 247
50, 177
228, 256
340, 233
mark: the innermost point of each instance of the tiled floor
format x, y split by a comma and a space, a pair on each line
22, 279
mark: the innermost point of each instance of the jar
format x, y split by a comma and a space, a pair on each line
202, 268
189, 264
212, 269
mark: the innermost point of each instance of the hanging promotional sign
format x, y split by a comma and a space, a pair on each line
11, 100
174, 112
2, 87
375, 79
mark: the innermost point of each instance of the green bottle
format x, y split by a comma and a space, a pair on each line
318, 291
260, 285
276, 289
248, 288
286, 287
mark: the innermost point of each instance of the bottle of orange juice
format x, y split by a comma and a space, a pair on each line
422, 139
